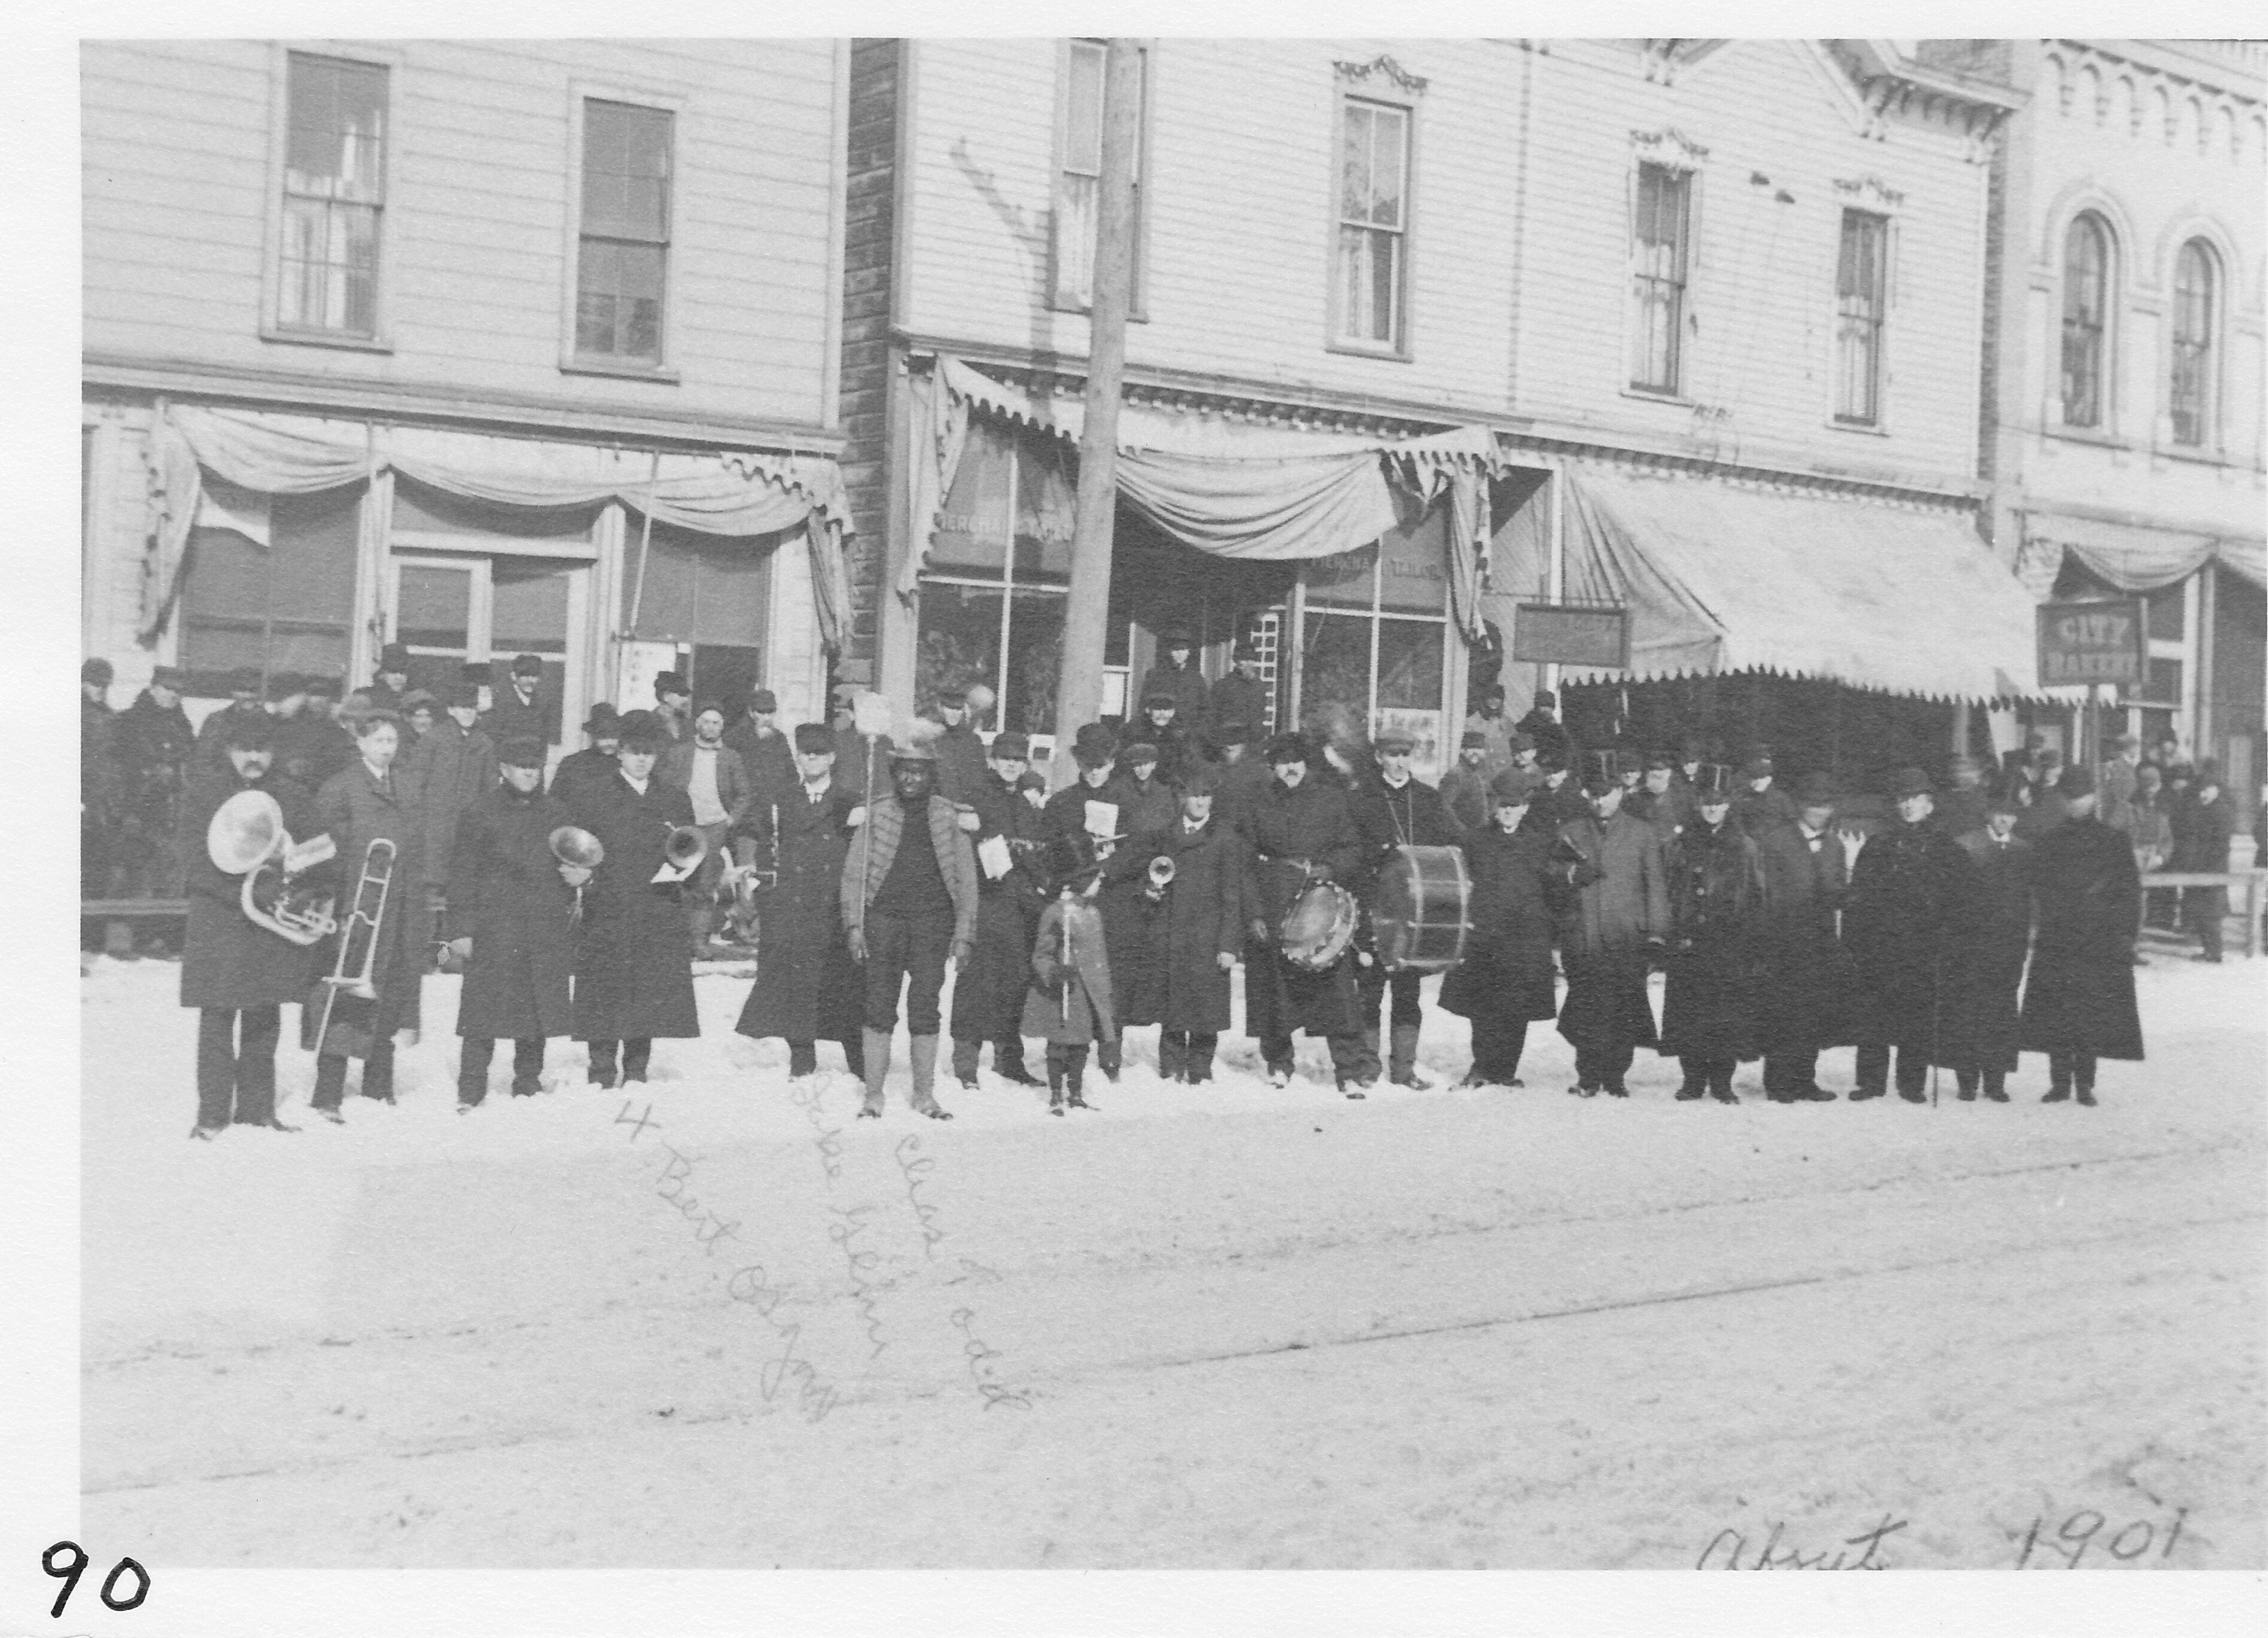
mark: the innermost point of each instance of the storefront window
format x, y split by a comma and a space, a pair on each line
286, 605
709, 594
1376, 638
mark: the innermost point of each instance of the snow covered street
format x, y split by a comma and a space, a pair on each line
716, 1322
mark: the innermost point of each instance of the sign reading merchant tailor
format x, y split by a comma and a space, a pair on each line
2093, 642
1572, 634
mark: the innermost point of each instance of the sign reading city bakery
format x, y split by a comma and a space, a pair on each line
2093, 642
1572, 634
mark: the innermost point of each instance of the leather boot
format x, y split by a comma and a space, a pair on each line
1996, 1087
874, 1053
1075, 1078
1008, 1062
924, 1098
964, 1061
1966, 1080
1696, 1080
1173, 1054
1106, 1058
1055, 1080
701, 918
1720, 1083
1404, 1050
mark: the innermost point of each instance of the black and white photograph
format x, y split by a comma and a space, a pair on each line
971, 800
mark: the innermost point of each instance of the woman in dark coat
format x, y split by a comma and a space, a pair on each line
513, 899
2079, 1004
375, 799
807, 988
1992, 939
633, 971
1709, 1013
1504, 983
237, 973
1193, 931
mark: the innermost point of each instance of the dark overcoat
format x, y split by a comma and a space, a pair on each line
228, 960
2201, 834
1506, 971
355, 809
457, 768
1242, 784
1233, 700
807, 988
1606, 925
1550, 808
505, 895
2080, 995
1993, 935
1711, 1005
1898, 922
1465, 794
582, 773
1192, 696
1200, 919
988, 994
960, 764
1290, 831
1083, 1008
1120, 902
1807, 974
633, 975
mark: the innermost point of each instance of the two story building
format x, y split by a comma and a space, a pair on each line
486, 347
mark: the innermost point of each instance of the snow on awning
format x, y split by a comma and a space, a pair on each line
1724, 577
2128, 557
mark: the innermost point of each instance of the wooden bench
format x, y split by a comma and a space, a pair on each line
2253, 883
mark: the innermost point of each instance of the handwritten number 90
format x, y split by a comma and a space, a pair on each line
68, 1571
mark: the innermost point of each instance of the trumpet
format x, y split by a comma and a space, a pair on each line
352, 973
1161, 877
246, 836
571, 845
686, 848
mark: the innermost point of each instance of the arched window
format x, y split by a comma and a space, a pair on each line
2190, 400
2086, 312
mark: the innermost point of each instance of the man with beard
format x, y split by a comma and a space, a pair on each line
1393, 810
807, 988
248, 692
1806, 873
1992, 937
1242, 696
1504, 982
770, 763
988, 997
595, 766
1301, 833
2079, 1004
1716, 908
237, 973
1194, 930
1907, 889
1619, 913
909, 897
511, 903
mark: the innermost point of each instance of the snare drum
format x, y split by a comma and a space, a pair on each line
1423, 910
1319, 927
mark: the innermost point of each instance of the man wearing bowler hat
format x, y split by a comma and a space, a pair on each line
1906, 898
595, 764
1619, 913
1805, 875
520, 710
2079, 1004
988, 997
1992, 937
391, 680
1709, 1007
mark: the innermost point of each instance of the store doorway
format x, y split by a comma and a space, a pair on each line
449, 609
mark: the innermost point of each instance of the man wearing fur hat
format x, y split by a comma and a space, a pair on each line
1907, 893
1301, 834
988, 997
808, 987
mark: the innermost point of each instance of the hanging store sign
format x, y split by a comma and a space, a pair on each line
2093, 642
1572, 634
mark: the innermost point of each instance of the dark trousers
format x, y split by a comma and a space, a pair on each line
2067, 1068
473, 1067
2203, 908
1006, 1050
1497, 1043
636, 1053
1711, 1073
911, 954
1603, 1063
1346, 1054
1187, 1054
1371, 984
1066, 1064
803, 1057
236, 1073
1791, 1070
1874, 1068
377, 1075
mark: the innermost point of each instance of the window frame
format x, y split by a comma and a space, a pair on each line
2208, 348
1402, 346
1634, 328
270, 327
2105, 422
572, 361
1878, 387
1137, 303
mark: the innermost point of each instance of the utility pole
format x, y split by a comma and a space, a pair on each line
1078, 682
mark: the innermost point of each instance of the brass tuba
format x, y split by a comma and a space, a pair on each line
1161, 877
247, 837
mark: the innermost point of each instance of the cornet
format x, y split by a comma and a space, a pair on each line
1161, 877
247, 837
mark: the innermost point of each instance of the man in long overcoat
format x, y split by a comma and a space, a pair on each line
374, 800
1175, 676
2201, 828
1806, 875
1244, 777
455, 764
1300, 832
1906, 898
1102, 779
1194, 930
1240, 697
513, 899
633, 973
1992, 936
959, 749
988, 996
1710, 1004
1393, 808
1504, 982
2079, 1003
235, 972
99, 785
807, 988
154, 747
1619, 911
1465, 787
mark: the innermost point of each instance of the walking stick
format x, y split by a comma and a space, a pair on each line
1936, 997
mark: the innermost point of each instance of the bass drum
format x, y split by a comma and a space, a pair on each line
1319, 927
1423, 911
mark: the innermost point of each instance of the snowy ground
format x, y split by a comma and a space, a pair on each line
1220, 1327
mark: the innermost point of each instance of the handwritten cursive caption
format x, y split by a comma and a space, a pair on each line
1771, 1555
2079, 1529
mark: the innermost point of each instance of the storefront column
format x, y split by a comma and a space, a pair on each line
896, 622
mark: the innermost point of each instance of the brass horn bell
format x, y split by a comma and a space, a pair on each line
571, 845
686, 848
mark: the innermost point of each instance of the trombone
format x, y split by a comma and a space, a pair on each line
369, 912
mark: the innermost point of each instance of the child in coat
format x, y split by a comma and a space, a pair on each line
1070, 1002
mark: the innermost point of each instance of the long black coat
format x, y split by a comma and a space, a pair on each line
2080, 996
1291, 830
1120, 901
1899, 923
227, 959
1506, 971
1992, 937
988, 994
633, 971
2201, 835
807, 988
505, 895
355, 811
580, 774
1711, 1006
960, 764
1806, 1000
1182, 983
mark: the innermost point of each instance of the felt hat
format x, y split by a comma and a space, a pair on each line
521, 751
641, 730
2078, 782
1093, 745
247, 680
669, 683
1009, 746
1546, 700
1815, 790
764, 699
603, 720
811, 738
248, 730
1177, 636
1512, 788
1232, 734
953, 694
1200, 780
463, 692
323, 688
1473, 739
1911, 782
418, 698
1287, 748
1140, 750
1659, 759
1712, 782
1393, 739
393, 657
1756, 767
1161, 699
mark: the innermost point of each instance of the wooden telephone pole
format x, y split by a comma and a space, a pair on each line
1079, 682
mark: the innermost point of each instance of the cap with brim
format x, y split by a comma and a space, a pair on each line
248, 731
1160, 699
1547, 699
1911, 782
521, 751
953, 694
2004, 801
641, 730
603, 720
1177, 637
702, 706
1597, 784
1093, 745
393, 657
467, 694
1287, 748
1009, 746
1401, 741
914, 751
417, 697
1659, 759
812, 739
1139, 751
1512, 788
1522, 742
669, 683
1712, 783
1200, 780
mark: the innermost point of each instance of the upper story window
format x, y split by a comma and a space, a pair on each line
333, 193
1374, 216
1663, 212
1862, 300
621, 256
1078, 180
2190, 394
2085, 320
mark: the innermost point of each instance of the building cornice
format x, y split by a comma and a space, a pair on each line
524, 413
1891, 82
2238, 67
